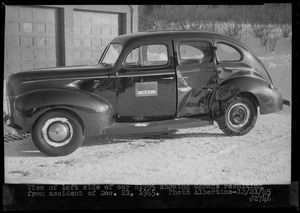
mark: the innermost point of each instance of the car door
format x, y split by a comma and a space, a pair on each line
146, 83
196, 75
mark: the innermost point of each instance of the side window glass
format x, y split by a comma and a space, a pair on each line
148, 55
196, 51
227, 53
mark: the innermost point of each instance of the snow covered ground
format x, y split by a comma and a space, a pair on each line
190, 156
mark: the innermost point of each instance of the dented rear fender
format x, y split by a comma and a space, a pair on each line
267, 96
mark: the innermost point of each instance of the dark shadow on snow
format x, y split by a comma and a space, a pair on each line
150, 138
27, 149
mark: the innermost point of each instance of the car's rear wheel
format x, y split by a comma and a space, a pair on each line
57, 133
239, 116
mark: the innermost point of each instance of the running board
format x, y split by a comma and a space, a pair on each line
158, 126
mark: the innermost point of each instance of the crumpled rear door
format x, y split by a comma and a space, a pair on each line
196, 76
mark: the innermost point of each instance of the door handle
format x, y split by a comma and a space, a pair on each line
169, 78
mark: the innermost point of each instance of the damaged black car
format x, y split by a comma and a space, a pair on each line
143, 83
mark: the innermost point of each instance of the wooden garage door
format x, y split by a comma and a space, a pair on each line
31, 38
92, 32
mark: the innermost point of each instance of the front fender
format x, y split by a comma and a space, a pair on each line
94, 111
268, 97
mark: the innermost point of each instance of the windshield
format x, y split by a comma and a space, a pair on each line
111, 55
257, 65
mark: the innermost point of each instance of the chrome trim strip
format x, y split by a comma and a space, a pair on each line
141, 75
229, 68
242, 68
63, 79
97, 77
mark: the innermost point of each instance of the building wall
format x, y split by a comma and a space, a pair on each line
20, 55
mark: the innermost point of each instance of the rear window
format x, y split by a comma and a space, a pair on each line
226, 52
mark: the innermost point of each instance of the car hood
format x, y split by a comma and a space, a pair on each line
57, 77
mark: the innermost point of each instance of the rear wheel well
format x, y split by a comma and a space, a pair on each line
248, 95
238, 116
251, 96
220, 105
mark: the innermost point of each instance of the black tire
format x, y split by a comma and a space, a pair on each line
239, 116
57, 133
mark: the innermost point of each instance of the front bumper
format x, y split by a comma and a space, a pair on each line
9, 126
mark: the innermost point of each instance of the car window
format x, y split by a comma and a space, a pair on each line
196, 51
148, 55
227, 53
112, 54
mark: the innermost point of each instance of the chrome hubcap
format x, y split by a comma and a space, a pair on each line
57, 132
238, 115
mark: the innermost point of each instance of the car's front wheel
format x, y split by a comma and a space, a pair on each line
57, 133
239, 116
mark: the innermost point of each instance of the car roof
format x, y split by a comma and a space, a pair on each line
123, 39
